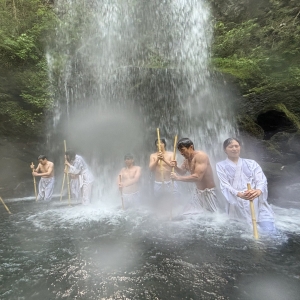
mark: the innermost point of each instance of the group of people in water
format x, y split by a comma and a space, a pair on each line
234, 174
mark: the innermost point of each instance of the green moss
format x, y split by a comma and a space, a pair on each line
293, 118
246, 124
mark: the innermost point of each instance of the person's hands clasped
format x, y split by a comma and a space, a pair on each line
160, 156
249, 194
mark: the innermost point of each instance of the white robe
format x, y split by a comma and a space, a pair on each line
234, 178
84, 180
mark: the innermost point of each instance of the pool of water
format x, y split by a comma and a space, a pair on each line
63, 252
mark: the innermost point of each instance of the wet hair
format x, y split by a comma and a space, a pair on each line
71, 154
229, 141
162, 140
184, 142
128, 156
42, 157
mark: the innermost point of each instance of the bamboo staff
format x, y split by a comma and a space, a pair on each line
68, 180
160, 161
5, 206
173, 168
34, 182
121, 191
255, 232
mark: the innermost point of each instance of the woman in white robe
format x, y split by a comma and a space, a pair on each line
234, 173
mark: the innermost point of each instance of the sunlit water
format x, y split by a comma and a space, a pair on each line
63, 252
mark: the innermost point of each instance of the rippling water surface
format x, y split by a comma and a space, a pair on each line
62, 252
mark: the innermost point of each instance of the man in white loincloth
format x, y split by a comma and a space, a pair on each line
165, 192
129, 183
45, 170
81, 178
198, 164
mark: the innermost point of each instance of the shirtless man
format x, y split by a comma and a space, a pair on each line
45, 170
129, 183
198, 164
161, 165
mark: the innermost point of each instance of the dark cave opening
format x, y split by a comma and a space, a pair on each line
274, 121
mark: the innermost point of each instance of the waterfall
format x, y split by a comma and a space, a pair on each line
122, 68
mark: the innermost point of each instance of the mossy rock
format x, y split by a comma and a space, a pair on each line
270, 153
247, 125
280, 141
294, 143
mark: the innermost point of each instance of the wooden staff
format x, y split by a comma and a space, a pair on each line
255, 232
34, 182
174, 152
121, 191
5, 206
68, 180
173, 168
160, 161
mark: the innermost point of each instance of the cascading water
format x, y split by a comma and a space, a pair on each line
123, 68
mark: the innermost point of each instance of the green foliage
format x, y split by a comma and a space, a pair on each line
262, 53
25, 28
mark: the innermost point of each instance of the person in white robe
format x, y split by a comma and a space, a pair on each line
234, 174
81, 177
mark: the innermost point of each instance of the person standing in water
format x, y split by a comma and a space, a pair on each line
198, 165
129, 182
234, 174
81, 178
160, 165
45, 170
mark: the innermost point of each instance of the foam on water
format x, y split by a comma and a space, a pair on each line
144, 221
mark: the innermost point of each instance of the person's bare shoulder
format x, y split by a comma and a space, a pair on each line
201, 156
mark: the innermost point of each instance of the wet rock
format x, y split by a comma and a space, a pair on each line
247, 125
280, 141
272, 170
277, 118
15, 173
294, 143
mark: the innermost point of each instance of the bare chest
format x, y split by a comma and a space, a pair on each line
128, 173
44, 168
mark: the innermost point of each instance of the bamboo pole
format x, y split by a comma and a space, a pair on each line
255, 232
121, 191
68, 178
5, 206
173, 170
160, 161
34, 182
